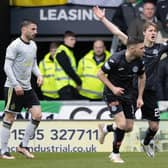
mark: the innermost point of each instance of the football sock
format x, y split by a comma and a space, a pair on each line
118, 137
110, 128
29, 132
149, 136
5, 134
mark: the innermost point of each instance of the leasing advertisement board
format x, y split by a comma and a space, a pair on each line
58, 19
82, 136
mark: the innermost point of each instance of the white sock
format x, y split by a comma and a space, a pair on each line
105, 129
29, 132
5, 135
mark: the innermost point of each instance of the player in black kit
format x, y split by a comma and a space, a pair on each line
152, 54
117, 74
150, 110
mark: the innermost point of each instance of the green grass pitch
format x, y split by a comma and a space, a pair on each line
86, 160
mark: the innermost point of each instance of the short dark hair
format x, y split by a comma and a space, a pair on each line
69, 33
134, 40
54, 45
149, 1
27, 22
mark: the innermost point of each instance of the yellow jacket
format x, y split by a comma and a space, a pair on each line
47, 69
92, 87
61, 77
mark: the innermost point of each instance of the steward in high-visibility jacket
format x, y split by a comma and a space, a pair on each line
66, 77
88, 67
47, 69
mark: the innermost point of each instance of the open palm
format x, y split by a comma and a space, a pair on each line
98, 12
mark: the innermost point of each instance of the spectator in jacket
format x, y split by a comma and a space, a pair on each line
123, 17
162, 14
47, 69
148, 15
67, 79
88, 67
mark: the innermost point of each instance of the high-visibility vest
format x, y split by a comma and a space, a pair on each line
47, 69
61, 77
92, 87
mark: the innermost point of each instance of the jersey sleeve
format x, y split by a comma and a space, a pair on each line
164, 48
35, 69
11, 51
109, 65
141, 68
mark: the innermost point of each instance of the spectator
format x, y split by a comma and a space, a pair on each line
162, 14
136, 27
163, 79
125, 13
66, 77
123, 17
47, 69
88, 68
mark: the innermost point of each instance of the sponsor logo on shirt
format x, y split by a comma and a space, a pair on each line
121, 69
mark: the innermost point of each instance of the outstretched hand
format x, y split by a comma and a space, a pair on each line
98, 12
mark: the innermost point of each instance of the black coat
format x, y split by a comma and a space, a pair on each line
163, 79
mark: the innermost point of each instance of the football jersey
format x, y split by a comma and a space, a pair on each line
151, 59
121, 73
23, 58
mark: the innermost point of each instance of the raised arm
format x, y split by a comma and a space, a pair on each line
111, 27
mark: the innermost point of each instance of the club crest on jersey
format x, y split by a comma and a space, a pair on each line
135, 69
155, 51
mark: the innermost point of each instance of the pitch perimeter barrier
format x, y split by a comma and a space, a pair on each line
82, 136
78, 110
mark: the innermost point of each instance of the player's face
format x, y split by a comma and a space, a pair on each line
98, 48
30, 31
70, 41
139, 50
150, 34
